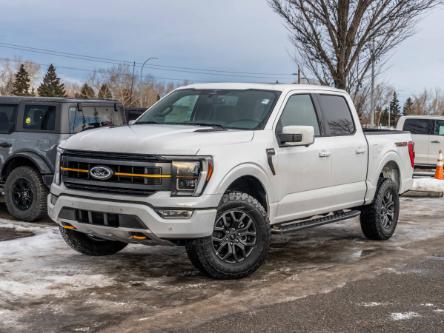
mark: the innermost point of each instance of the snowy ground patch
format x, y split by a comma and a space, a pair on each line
428, 184
404, 315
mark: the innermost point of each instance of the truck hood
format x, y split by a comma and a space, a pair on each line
154, 139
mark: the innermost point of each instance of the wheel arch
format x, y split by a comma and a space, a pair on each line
389, 167
30, 159
251, 179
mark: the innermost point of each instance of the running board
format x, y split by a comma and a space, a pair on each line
297, 225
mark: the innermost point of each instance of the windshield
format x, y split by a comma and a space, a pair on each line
236, 109
92, 117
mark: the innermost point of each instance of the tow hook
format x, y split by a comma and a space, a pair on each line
137, 236
68, 226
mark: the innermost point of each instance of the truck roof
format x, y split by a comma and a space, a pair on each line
422, 117
18, 99
261, 86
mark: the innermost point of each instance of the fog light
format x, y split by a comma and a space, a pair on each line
175, 213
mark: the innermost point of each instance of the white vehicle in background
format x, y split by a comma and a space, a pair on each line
219, 167
428, 136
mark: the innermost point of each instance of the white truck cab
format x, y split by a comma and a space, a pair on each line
428, 135
219, 167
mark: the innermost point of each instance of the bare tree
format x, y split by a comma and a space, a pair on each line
429, 102
146, 91
335, 39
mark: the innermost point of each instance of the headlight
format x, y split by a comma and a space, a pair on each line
190, 177
57, 178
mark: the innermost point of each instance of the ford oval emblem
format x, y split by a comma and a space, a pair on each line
101, 172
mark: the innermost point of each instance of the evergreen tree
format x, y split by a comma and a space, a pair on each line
395, 109
51, 85
384, 117
22, 82
86, 92
105, 92
408, 107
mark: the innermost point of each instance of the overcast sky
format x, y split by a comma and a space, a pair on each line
227, 35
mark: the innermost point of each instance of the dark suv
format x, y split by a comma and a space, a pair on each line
31, 128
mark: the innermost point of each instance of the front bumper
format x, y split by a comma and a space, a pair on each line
199, 225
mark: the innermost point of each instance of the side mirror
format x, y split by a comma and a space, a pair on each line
131, 122
296, 135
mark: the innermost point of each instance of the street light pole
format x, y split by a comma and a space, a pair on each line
143, 65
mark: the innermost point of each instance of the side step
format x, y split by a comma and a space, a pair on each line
297, 225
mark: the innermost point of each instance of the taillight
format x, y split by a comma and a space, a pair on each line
412, 153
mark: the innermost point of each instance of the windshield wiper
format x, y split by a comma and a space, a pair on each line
206, 124
146, 122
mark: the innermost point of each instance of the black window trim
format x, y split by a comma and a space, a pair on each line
322, 112
315, 107
13, 129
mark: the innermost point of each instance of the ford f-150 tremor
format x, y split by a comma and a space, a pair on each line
218, 168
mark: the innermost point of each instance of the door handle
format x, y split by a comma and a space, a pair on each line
324, 154
5, 145
435, 141
360, 151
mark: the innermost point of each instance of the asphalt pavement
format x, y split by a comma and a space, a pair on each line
327, 279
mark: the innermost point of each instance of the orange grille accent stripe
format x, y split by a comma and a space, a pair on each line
75, 170
122, 174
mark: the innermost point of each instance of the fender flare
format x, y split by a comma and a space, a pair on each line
251, 170
42, 164
372, 180
391, 156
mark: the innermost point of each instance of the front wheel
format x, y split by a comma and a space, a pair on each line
25, 194
89, 245
379, 220
240, 240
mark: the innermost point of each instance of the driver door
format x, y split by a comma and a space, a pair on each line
303, 173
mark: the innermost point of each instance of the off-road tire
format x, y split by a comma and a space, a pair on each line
38, 208
85, 244
372, 216
201, 251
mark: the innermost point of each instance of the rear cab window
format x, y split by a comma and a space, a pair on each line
39, 118
419, 126
337, 116
8, 118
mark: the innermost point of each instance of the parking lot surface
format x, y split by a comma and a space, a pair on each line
324, 279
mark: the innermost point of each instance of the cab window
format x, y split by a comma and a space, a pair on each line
419, 126
299, 111
39, 118
338, 120
8, 116
439, 127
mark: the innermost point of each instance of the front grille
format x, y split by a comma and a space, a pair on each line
130, 174
101, 218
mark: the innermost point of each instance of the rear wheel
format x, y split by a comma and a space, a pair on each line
25, 194
89, 245
379, 220
240, 239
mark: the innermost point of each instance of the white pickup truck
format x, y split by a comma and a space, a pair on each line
428, 136
218, 168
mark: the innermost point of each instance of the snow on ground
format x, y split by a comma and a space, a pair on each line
428, 184
44, 283
404, 315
